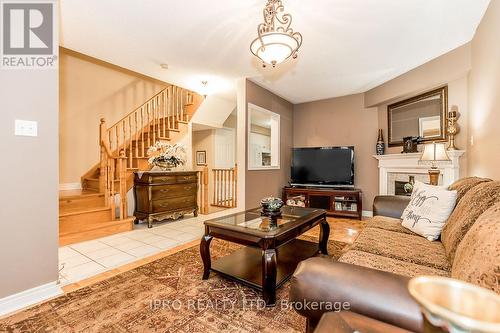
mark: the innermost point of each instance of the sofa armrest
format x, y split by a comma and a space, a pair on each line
319, 284
390, 205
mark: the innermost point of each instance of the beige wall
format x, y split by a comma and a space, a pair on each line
89, 90
231, 121
437, 72
449, 69
262, 183
342, 121
484, 97
29, 169
457, 95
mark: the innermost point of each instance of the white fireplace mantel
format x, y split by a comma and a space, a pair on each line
410, 164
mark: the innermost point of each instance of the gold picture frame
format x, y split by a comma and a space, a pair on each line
406, 118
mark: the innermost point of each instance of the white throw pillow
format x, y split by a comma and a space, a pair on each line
428, 210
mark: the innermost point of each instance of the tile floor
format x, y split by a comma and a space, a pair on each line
83, 260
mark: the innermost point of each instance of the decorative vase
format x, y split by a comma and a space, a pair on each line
380, 147
162, 166
454, 306
408, 187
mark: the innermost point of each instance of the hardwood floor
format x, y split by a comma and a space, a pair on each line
341, 229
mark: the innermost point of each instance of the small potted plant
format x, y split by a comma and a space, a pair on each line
271, 206
164, 156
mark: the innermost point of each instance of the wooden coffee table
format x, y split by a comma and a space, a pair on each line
272, 250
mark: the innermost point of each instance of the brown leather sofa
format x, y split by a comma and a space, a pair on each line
371, 276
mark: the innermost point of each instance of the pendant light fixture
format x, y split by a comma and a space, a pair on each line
276, 40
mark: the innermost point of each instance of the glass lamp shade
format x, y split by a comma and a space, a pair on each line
434, 152
274, 48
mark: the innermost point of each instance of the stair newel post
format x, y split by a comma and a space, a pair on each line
130, 136
104, 158
111, 186
205, 189
153, 120
183, 104
235, 185
165, 110
176, 107
169, 107
122, 172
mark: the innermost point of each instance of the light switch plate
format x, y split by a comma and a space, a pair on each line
26, 128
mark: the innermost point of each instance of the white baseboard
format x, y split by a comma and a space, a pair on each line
70, 186
29, 297
367, 213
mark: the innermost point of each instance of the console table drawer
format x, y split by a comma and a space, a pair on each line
187, 179
173, 203
164, 180
172, 191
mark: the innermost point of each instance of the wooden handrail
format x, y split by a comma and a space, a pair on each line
147, 101
151, 122
130, 137
203, 190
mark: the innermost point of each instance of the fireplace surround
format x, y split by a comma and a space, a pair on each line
398, 167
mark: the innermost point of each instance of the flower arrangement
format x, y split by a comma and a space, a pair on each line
166, 156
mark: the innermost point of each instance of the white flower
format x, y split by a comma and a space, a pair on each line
176, 153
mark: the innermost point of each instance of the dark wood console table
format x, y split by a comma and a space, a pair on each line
340, 202
163, 194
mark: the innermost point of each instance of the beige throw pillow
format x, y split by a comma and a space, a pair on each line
428, 210
477, 259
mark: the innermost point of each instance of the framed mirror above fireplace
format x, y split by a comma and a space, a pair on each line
423, 116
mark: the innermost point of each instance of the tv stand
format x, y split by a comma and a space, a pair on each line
339, 202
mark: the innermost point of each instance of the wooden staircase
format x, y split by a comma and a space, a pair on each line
92, 213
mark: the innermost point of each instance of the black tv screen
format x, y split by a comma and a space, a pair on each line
325, 166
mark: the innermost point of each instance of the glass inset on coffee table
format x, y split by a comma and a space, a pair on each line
272, 250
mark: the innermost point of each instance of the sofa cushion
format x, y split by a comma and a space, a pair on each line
463, 185
388, 223
387, 264
478, 256
404, 247
428, 210
476, 201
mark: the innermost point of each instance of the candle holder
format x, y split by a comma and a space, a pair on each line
452, 128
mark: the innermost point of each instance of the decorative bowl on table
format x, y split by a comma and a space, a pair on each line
454, 306
271, 206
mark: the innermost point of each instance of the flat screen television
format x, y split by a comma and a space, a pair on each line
323, 166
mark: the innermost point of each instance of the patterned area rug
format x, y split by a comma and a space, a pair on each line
167, 295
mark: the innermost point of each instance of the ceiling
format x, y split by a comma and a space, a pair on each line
260, 118
350, 46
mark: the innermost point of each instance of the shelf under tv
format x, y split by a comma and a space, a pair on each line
327, 198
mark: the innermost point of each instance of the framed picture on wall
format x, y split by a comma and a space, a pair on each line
201, 157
